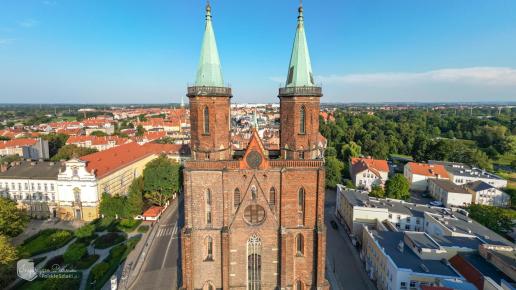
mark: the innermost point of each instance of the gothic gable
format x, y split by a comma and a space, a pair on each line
255, 156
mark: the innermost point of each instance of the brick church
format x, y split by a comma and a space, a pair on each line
254, 218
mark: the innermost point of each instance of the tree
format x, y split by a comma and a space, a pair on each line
135, 197
349, 150
161, 178
98, 133
334, 169
140, 130
377, 191
55, 142
12, 220
330, 152
85, 231
69, 151
8, 253
113, 206
397, 187
497, 219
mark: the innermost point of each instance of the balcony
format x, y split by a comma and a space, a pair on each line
209, 91
300, 91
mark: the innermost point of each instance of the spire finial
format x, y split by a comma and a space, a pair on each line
208, 10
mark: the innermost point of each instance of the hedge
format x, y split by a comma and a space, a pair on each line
44, 241
108, 240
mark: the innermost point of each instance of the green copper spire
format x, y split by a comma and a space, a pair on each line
209, 72
300, 68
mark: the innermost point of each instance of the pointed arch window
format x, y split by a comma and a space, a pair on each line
208, 207
209, 249
254, 263
206, 114
300, 245
236, 198
301, 205
272, 196
299, 285
302, 120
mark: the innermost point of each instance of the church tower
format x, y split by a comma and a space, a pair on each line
210, 103
300, 103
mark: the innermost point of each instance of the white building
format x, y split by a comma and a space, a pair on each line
33, 185
449, 193
418, 174
486, 194
460, 173
368, 172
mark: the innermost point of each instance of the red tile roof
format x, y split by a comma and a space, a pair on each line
17, 143
375, 165
108, 161
167, 148
153, 211
428, 169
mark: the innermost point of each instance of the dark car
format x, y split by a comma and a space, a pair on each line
334, 224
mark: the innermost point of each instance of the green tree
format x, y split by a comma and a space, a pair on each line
98, 133
349, 150
55, 142
161, 178
377, 191
85, 231
113, 206
8, 253
330, 152
140, 130
12, 220
334, 169
497, 219
69, 151
397, 187
135, 197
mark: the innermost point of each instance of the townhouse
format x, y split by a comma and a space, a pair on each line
418, 174
367, 172
97, 142
486, 194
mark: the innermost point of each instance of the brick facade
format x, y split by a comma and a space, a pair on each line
213, 142
230, 228
297, 143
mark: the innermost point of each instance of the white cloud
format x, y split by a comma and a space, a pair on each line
493, 76
28, 23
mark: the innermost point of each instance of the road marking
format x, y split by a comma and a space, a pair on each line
175, 230
166, 252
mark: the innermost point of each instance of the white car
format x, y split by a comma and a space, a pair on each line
436, 203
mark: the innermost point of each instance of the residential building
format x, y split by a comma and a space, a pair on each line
449, 193
398, 260
33, 185
254, 218
418, 174
486, 194
97, 142
460, 173
367, 172
28, 148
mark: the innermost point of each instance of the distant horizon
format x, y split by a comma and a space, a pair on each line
361, 51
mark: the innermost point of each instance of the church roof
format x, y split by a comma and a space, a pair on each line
300, 67
209, 72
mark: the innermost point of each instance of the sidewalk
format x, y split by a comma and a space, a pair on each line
136, 259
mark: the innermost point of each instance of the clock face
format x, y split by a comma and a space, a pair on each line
254, 159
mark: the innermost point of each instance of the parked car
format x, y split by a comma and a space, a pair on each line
436, 203
334, 224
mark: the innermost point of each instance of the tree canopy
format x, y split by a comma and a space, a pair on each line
334, 169
71, 150
12, 220
8, 253
497, 219
397, 187
161, 178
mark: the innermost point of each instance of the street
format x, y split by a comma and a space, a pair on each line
162, 263
342, 258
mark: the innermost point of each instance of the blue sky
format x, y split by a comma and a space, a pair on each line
116, 51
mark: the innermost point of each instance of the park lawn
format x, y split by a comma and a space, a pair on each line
128, 225
44, 241
108, 266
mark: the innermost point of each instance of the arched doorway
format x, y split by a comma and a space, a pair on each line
254, 263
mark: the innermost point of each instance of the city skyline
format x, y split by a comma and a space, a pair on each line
95, 52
